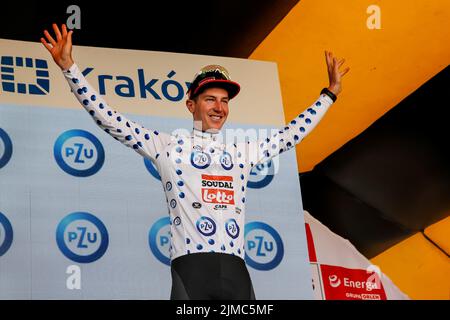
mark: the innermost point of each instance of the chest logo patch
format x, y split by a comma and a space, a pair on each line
200, 160
217, 189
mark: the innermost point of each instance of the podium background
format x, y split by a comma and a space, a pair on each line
36, 194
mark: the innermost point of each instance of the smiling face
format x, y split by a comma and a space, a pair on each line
209, 108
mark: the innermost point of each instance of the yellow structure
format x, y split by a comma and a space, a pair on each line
392, 48
418, 267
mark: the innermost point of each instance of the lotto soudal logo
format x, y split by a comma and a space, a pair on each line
351, 284
217, 189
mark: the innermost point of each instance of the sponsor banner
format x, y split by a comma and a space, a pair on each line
144, 82
340, 272
351, 284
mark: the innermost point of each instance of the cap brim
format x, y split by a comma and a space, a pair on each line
231, 87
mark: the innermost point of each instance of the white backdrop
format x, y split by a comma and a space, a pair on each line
93, 224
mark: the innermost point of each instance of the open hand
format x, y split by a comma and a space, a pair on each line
334, 74
61, 49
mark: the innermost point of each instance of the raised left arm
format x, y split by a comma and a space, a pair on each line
296, 130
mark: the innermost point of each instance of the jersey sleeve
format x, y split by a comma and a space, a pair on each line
293, 133
147, 143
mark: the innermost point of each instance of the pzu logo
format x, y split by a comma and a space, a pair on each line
226, 161
159, 240
232, 228
79, 153
261, 175
6, 148
82, 237
200, 160
264, 247
206, 226
42, 85
6, 234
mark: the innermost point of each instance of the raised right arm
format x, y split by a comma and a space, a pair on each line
147, 143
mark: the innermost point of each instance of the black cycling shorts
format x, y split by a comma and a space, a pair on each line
210, 276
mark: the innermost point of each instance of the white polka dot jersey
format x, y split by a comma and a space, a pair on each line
204, 179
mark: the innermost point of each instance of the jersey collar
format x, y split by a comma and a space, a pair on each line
207, 135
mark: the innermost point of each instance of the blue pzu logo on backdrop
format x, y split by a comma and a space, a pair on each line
82, 237
6, 234
264, 247
12, 66
261, 175
152, 169
5, 148
159, 240
79, 153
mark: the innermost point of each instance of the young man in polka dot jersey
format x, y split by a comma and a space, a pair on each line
204, 179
